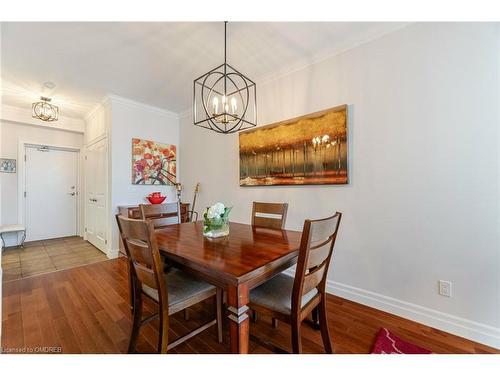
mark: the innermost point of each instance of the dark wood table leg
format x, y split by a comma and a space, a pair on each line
239, 324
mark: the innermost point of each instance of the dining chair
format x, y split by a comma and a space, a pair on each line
292, 299
173, 291
269, 215
161, 214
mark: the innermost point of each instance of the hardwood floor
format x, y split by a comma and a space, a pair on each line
85, 310
44, 256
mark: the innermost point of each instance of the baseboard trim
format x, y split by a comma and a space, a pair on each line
478, 332
112, 254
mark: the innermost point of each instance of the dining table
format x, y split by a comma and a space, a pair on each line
247, 257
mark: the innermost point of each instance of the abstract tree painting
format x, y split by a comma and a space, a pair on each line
153, 163
308, 150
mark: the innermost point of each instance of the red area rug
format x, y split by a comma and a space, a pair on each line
388, 343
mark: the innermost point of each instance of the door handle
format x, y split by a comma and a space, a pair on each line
72, 194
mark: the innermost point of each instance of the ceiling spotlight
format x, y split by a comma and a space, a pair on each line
50, 85
45, 111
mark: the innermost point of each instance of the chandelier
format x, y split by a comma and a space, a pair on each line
45, 111
224, 100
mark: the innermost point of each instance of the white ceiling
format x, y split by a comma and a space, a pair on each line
155, 63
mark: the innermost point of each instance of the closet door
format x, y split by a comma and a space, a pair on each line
96, 172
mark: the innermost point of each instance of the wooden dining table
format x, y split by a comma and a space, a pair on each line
248, 257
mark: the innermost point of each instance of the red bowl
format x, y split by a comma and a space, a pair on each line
156, 200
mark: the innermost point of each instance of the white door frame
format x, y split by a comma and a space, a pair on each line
21, 180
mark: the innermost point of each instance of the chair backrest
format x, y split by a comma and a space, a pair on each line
269, 215
161, 215
144, 258
316, 248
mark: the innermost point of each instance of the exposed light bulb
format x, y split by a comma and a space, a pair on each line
234, 105
224, 104
215, 103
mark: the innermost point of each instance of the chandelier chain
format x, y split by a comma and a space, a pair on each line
225, 58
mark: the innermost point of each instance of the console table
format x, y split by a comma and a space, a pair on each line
132, 212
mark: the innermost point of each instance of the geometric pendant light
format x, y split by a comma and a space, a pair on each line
224, 100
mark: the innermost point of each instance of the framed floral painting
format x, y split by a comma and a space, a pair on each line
153, 163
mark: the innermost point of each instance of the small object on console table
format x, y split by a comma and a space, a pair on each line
133, 212
156, 198
178, 187
192, 213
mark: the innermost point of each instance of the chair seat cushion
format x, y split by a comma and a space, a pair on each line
276, 294
181, 287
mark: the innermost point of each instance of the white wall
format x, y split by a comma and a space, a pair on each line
135, 120
423, 202
11, 134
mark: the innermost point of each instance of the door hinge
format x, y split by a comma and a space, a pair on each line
85, 157
105, 242
24, 157
85, 229
24, 194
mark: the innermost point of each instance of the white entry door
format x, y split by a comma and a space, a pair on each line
51, 192
96, 194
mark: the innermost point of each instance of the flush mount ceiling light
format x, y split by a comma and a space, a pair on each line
224, 100
45, 111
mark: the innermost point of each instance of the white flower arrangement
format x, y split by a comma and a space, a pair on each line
216, 211
216, 220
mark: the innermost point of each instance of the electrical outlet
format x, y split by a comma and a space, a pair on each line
445, 288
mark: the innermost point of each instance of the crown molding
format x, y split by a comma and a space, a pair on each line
132, 103
186, 113
304, 64
101, 104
